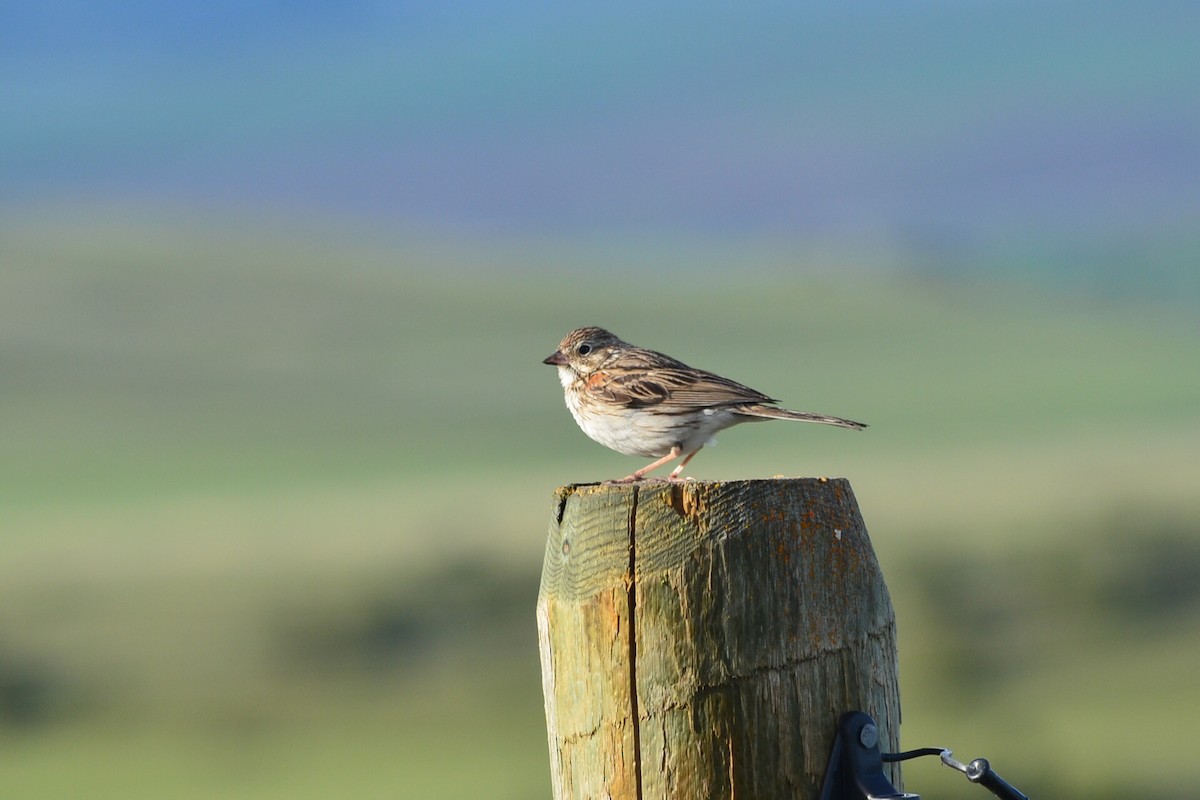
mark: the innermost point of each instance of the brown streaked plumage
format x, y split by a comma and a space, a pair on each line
643, 403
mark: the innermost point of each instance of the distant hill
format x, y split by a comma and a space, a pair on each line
1060, 140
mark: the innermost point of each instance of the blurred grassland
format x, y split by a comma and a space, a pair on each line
272, 504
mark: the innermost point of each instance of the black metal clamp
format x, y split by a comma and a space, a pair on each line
855, 770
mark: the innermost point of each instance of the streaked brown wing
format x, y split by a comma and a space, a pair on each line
671, 388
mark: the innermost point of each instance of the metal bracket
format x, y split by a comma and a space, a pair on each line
855, 770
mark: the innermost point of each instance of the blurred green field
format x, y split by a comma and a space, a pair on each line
272, 505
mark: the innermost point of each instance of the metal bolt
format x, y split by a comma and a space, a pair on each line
869, 736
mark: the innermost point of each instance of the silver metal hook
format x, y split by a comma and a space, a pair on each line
947, 757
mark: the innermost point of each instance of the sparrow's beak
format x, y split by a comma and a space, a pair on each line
555, 359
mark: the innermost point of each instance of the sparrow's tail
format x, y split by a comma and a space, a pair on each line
770, 412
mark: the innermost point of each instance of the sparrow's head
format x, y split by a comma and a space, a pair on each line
584, 350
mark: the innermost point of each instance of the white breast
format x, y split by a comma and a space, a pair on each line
642, 432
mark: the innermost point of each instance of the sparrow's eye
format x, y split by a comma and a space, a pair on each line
583, 349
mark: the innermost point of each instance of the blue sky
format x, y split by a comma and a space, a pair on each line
974, 125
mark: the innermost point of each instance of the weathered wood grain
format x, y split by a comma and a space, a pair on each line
701, 639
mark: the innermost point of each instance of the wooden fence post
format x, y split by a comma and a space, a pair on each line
701, 639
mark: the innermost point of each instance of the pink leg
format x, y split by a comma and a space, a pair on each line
675, 472
637, 476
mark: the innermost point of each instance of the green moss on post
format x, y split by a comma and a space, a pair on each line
701, 639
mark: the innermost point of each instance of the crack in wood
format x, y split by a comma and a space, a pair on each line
701, 691
633, 683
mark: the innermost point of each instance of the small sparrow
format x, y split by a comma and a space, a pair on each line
642, 403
